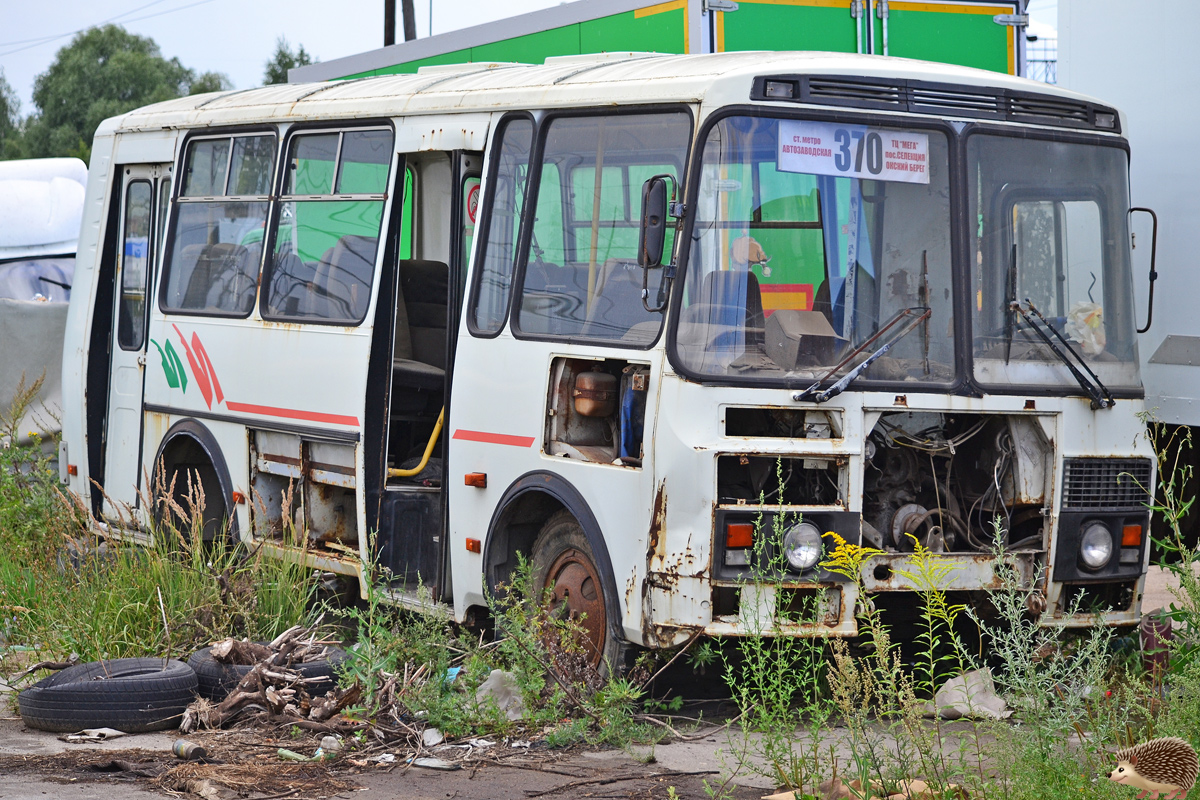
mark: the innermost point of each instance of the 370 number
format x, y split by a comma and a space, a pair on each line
852, 146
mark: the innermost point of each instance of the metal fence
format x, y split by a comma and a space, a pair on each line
1041, 59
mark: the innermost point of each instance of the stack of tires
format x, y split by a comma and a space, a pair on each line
136, 695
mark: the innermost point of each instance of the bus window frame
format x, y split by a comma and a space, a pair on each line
180, 169
266, 268
151, 242
463, 288
484, 223
537, 152
1116, 141
956, 159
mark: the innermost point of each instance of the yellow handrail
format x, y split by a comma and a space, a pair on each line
408, 473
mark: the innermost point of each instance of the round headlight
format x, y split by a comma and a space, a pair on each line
1095, 545
802, 546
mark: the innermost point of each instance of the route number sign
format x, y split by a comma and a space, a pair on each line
853, 151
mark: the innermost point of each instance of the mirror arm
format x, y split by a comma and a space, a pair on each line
1153, 260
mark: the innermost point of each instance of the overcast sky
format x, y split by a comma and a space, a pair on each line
238, 36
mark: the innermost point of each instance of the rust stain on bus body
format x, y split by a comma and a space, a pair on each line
658, 524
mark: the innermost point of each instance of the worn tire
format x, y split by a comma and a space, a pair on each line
563, 562
135, 695
217, 680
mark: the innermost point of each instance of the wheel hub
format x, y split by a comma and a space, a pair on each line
575, 587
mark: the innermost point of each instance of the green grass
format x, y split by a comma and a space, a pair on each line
64, 590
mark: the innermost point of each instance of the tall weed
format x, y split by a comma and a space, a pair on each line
66, 589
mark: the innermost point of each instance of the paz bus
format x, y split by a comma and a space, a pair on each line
618, 313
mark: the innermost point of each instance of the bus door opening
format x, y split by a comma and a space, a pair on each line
144, 192
411, 508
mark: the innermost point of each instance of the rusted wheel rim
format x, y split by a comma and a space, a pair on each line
575, 587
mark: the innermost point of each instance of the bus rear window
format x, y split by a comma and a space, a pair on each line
216, 249
327, 234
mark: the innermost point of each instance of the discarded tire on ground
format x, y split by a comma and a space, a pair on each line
215, 680
129, 694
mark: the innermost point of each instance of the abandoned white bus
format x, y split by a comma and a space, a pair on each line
429, 312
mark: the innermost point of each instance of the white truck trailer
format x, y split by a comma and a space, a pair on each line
41, 205
1140, 58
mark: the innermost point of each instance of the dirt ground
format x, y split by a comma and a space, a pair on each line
35, 765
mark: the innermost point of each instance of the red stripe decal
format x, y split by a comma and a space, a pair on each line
493, 438
291, 413
198, 371
202, 354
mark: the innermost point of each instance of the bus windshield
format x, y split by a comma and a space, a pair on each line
1051, 234
812, 240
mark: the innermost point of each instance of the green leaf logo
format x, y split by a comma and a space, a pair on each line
172, 366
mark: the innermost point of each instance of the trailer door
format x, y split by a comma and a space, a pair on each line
144, 192
971, 34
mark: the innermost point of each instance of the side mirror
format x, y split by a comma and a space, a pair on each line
653, 236
1153, 257
654, 223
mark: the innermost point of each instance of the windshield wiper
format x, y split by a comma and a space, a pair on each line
1100, 395
919, 315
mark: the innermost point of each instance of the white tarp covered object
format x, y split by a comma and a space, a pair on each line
41, 206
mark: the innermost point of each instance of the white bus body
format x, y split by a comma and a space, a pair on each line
630, 452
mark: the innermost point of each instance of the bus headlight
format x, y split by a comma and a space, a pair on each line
802, 546
1095, 545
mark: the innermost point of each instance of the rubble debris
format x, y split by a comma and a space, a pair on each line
274, 691
89, 735
501, 687
972, 694
435, 763
188, 751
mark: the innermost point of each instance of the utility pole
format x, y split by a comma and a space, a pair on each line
389, 21
410, 20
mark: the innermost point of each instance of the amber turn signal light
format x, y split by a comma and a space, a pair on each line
1131, 536
476, 479
238, 498
72, 469
739, 534
474, 546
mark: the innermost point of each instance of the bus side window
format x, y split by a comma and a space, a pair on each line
217, 242
503, 209
135, 261
327, 228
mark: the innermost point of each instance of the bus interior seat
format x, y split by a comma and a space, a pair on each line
618, 304
212, 260
734, 300
419, 346
552, 294
343, 276
234, 287
289, 280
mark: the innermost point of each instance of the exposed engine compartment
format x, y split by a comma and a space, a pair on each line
947, 478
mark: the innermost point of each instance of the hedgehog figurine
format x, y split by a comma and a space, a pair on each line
1166, 767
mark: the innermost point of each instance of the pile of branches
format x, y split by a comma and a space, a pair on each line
273, 691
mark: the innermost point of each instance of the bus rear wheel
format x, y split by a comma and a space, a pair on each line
563, 564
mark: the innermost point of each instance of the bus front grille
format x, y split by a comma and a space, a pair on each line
1106, 484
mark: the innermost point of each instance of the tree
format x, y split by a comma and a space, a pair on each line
210, 82
283, 60
10, 121
103, 72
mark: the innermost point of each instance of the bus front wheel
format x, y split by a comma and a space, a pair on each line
565, 570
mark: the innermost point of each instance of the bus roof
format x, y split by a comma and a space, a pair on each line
566, 81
